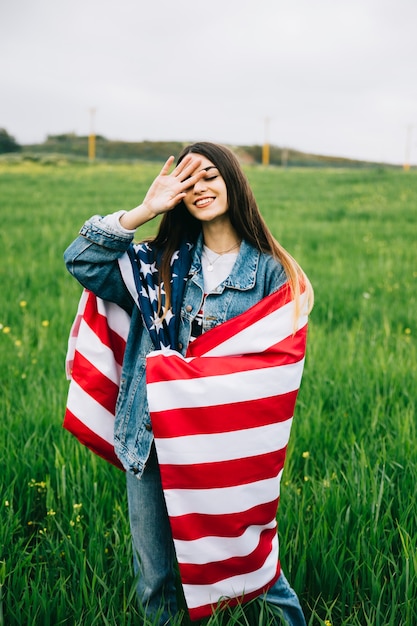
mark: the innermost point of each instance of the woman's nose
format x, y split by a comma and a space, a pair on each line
200, 185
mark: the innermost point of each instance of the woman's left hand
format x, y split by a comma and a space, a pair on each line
166, 191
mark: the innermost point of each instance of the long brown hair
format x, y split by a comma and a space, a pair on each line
244, 215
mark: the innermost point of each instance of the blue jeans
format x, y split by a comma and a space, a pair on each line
153, 548
284, 598
154, 554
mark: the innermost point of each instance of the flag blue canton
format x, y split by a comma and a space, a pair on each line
162, 324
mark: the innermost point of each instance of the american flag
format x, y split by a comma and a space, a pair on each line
221, 418
96, 347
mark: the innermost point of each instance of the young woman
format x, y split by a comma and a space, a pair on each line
212, 260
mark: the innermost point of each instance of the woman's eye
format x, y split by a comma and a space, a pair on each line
212, 177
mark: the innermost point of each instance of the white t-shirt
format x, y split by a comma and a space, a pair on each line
216, 267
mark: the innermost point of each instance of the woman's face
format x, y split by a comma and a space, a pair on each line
207, 199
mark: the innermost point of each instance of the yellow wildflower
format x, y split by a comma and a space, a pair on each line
45, 323
23, 303
6, 329
306, 454
41, 485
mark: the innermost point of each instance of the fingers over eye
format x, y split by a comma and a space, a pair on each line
194, 177
188, 167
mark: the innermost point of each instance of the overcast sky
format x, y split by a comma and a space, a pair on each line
335, 77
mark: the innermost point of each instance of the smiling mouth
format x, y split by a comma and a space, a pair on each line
203, 202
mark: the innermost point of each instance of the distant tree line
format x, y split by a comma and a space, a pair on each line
8, 143
72, 145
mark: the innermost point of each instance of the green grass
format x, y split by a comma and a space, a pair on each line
348, 527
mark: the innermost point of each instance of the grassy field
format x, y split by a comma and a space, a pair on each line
348, 524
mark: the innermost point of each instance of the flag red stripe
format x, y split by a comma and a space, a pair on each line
215, 366
206, 609
289, 350
95, 383
90, 439
100, 325
292, 348
219, 334
211, 573
223, 473
196, 525
205, 420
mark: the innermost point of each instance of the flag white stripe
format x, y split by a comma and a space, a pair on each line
225, 446
258, 336
126, 271
226, 388
210, 549
223, 500
199, 595
91, 413
97, 353
117, 318
73, 336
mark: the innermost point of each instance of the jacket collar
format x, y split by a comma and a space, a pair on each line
243, 275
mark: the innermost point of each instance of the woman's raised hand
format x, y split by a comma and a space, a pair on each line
166, 191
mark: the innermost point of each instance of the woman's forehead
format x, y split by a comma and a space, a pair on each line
205, 162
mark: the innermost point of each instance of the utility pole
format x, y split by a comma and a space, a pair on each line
265, 147
92, 138
407, 159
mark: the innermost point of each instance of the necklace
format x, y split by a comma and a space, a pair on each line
211, 262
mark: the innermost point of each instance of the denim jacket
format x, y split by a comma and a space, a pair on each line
92, 259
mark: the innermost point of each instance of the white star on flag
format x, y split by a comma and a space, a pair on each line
152, 294
175, 256
147, 268
156, 322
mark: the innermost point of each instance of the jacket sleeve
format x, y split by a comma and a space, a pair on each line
92, 258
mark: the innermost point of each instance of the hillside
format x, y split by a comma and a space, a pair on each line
76, 146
